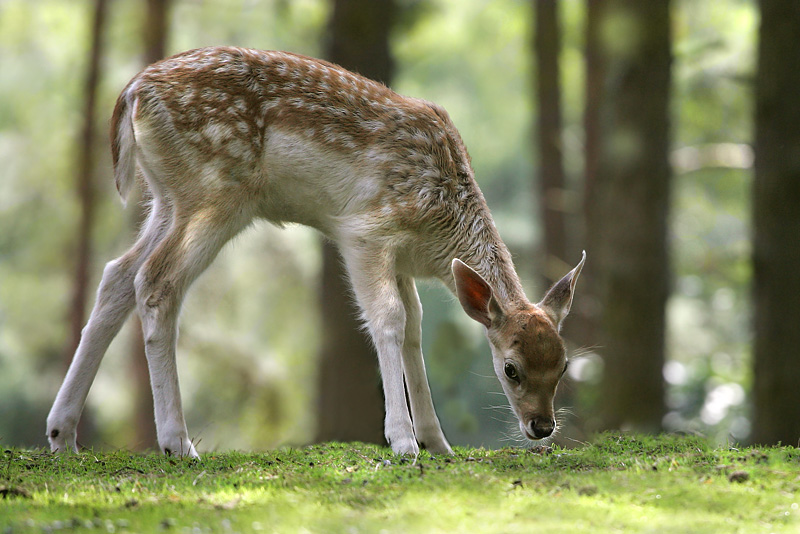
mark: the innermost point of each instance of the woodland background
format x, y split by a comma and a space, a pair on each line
663, 137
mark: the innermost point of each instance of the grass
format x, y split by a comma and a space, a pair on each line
618, 483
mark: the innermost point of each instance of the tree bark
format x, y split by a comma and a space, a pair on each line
776, 222
350, 402
154, 34
547, 47
627, 211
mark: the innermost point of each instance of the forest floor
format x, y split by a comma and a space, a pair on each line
617, 483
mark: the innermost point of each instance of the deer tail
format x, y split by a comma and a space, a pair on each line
123, 143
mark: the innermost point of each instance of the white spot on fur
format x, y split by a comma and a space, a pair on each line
216, 132
372, 126
267, 105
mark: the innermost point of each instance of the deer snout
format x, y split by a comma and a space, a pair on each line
539, 427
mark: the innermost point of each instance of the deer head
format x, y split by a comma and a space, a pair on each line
528, 353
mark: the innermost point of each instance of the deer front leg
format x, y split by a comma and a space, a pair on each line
426, 425
375, 287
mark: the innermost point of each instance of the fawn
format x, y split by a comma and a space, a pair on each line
223, 136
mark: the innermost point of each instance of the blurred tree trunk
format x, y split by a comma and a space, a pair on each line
583, 325
154, 34
547, 47
350, 403
593, 88
627, 207
155, 30
776, 220
84, 184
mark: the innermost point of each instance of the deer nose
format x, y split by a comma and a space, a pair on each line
541, 427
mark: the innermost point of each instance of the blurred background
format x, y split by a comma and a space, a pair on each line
661, 137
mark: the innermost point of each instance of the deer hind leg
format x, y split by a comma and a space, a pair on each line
375, 287
115, 299
192, 243
426, 424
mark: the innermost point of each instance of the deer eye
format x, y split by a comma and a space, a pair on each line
511, 371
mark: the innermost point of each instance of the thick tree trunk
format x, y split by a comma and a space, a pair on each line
547, 46
154, 34
776, 220
350, 403
627, 211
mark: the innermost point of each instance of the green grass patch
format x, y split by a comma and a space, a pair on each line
618, 483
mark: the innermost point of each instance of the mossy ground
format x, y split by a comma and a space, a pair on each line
618, 483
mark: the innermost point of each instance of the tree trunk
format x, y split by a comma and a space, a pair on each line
154, 34
776, 220
547, 46
593, 89
350, 402
155, 30
583, 326
84, 183
627, 211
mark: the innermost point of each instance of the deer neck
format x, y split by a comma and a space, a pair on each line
484, 251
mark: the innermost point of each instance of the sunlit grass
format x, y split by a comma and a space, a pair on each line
616, 484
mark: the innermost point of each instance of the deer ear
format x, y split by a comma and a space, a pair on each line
475, 294
557, 302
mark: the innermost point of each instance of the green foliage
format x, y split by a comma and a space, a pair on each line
709, 312
619, 483
709, 334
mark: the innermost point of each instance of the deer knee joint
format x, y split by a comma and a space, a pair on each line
159, 294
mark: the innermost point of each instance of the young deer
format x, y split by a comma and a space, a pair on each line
223, 136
